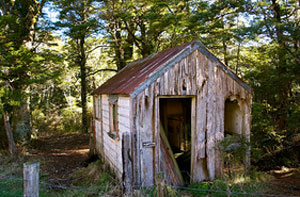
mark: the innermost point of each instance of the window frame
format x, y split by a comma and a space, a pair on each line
97, 104
113, 119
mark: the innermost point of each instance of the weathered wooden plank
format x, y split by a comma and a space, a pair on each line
123, 112
200, 170
171, 81
161, 85
220, 107
127, 162
186, 66
156, 132
176, 79
166, 83
105, 107
193, 73
124, 101
133, 110
168, 163
147, 137
123, 128
138, 139
180, 77
124, 121
211, 127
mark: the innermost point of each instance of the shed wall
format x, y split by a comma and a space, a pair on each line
109, 148
199, 77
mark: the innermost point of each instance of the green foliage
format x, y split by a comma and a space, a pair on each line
96, 173
254, 183
233, 150
23, 62
11, 188
63, 120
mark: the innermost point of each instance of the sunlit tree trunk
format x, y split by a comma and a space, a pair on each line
10, 138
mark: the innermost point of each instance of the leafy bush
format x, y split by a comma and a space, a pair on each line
65, 120
233, 151
253, 183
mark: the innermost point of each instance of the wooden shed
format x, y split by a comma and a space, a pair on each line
163, 116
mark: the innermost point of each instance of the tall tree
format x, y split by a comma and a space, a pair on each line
79, 20
277, 24
143, 27
22, 63
273, 71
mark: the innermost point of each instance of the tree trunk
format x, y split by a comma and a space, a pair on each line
285, 86
84, 123
10, 138
20, 122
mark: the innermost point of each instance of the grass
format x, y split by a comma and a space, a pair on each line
253, 183
94, 180
10, 187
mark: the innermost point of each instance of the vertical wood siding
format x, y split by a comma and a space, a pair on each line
210, 86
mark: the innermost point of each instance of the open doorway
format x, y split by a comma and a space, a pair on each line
175, 120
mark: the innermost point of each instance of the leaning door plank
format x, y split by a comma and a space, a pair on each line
168, 163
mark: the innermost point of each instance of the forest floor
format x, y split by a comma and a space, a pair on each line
61, 155
285, 181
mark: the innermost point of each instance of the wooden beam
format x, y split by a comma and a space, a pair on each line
127, 162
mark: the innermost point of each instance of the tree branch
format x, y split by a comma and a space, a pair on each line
99, 46
292, 54
102, 70
132, 34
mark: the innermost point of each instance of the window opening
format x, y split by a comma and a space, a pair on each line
98, 103
113, 113
233, 119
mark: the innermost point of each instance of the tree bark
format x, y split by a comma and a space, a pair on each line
84, 120
20, 121
10, 138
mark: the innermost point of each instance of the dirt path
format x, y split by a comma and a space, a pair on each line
286, 182
59, 155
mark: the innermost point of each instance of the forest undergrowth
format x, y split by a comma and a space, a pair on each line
65, 171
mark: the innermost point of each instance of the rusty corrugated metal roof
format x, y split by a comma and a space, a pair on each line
130, 77
136, 76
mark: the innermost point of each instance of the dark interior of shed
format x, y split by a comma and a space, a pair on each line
175, 117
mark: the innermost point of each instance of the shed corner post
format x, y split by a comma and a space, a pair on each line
127, 162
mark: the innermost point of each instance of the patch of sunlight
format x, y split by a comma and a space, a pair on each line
240, 180
283, 170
